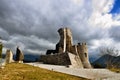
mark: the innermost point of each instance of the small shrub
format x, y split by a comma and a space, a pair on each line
117, 70
98, 66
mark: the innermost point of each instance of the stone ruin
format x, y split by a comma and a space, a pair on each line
66, 53
19, 55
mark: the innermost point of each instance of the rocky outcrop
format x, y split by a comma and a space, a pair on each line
9, 56
19, 55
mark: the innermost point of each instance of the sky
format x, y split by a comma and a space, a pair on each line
32, 24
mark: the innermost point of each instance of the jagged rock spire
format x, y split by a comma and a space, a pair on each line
19, 55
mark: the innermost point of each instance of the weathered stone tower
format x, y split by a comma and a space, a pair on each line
66, 53
65, 42
83, 53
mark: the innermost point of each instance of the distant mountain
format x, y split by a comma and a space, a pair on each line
31, 58
101, 62
92, 59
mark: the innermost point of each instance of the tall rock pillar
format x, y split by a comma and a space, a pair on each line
19, 55
9, 56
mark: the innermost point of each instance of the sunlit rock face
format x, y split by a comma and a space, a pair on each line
9, 56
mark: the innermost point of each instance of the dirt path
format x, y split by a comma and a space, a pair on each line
94, 74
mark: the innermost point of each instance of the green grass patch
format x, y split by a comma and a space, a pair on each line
16, 71
115, 70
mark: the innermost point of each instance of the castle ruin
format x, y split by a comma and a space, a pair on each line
66, 53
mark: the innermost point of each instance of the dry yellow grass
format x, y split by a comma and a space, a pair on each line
115, 70
16, 71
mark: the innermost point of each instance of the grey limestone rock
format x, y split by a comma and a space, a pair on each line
9, 56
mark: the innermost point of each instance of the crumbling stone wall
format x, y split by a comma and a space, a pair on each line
56, 59
75, 61
67, 53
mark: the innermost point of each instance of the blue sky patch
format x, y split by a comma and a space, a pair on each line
116, 7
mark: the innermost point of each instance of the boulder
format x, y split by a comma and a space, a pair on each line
19, 55
9, 56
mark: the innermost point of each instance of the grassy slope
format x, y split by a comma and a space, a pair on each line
15, 71
115, 70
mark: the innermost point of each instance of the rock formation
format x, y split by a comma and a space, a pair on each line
19, 55
9, 56
66, 53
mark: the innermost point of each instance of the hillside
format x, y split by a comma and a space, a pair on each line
15, 71
115, 60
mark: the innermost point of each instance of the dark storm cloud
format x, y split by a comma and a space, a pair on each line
115, 33
33, 24
3, 34
23, 18
43, 19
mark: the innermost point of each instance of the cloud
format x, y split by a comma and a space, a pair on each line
3, 34
115, 33
31, 44
33, 25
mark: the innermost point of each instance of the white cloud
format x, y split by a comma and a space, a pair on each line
3, 34
102, 43
31, 51
102, 6
99, 20
31, 44
33, 24
78, 2
42, 42
117, 17
101, 17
